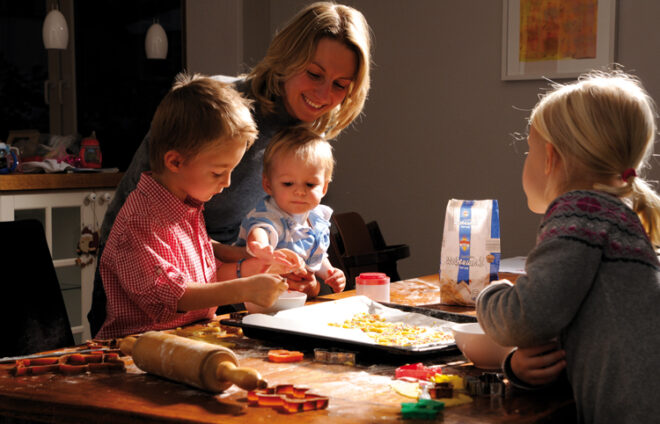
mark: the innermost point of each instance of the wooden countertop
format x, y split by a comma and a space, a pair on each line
358, 394
26, 182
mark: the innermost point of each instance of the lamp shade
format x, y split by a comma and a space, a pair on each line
155, 43
55, 31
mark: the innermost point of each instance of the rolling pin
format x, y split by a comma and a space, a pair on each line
196, 363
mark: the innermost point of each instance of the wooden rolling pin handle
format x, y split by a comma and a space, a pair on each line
245, 378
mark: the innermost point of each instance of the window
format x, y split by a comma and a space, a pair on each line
102, 82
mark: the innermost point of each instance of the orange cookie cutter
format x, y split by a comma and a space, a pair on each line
288, 398
281, 355
70, 364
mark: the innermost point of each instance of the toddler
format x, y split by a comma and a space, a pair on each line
158, 266
592, 281
298, 167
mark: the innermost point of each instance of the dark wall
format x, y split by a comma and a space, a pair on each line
23, 67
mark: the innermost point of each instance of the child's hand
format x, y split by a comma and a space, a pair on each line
261, 251
538, 365
305, 282
264, 289
336, 279
286, 261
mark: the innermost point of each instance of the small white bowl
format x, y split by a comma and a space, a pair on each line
287, 300
479, 348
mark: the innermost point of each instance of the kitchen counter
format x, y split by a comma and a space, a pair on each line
33, 182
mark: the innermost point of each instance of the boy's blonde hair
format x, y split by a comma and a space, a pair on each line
602, 126
196, 112
292, 49
305, 145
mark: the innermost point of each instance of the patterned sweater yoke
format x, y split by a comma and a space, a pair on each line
601, 221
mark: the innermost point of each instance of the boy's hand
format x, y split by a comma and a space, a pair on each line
264, 289
538, 365
305, 282
336, 279
287, 261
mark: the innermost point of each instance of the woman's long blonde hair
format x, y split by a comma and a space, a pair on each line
603, 126
293, 48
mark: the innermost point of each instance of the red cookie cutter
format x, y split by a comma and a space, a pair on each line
418, 371
288, 398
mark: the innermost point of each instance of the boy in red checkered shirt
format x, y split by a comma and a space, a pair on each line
158, 267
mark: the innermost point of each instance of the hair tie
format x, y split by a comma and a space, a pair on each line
630, 172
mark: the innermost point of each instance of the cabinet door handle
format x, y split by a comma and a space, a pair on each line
60, 89
47, 92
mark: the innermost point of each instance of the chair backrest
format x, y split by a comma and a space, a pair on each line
357, 247
33, 316
353, 232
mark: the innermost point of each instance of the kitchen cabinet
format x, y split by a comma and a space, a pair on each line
71, 208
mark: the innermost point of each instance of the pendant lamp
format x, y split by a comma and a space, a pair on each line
155, 43
55, 31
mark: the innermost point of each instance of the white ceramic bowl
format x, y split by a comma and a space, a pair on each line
479, 348
287, 300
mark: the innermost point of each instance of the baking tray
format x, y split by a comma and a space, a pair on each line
308, 327
435, 311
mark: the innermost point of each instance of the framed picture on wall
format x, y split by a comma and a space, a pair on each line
556, 39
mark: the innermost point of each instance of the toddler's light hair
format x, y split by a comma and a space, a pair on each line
196, 112
305, 145
602, 125
292, 49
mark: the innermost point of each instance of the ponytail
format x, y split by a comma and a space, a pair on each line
644, 201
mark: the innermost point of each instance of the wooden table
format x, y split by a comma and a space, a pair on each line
358, 394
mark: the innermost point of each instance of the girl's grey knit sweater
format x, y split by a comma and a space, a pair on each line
593, 282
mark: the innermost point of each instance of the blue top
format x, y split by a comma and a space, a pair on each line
306, 234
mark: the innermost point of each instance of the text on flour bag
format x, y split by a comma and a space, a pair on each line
470, 254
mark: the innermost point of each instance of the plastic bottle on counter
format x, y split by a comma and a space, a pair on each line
374, 285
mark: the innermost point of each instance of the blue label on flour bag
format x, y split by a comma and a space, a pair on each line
495, 234
464, 238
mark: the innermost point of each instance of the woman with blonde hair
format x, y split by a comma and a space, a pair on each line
315, 74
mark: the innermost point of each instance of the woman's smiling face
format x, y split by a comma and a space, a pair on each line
324, 82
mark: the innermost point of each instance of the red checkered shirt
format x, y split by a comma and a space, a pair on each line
157, 245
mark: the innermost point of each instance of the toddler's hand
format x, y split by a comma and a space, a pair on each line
538, 365
261, 251
305, 283
264, 289
287, 261
335, 279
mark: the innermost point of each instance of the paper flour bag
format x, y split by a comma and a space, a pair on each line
470, 255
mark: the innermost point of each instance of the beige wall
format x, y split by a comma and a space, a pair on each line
439, 119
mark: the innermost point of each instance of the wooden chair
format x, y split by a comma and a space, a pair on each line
357, 247
33, 316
